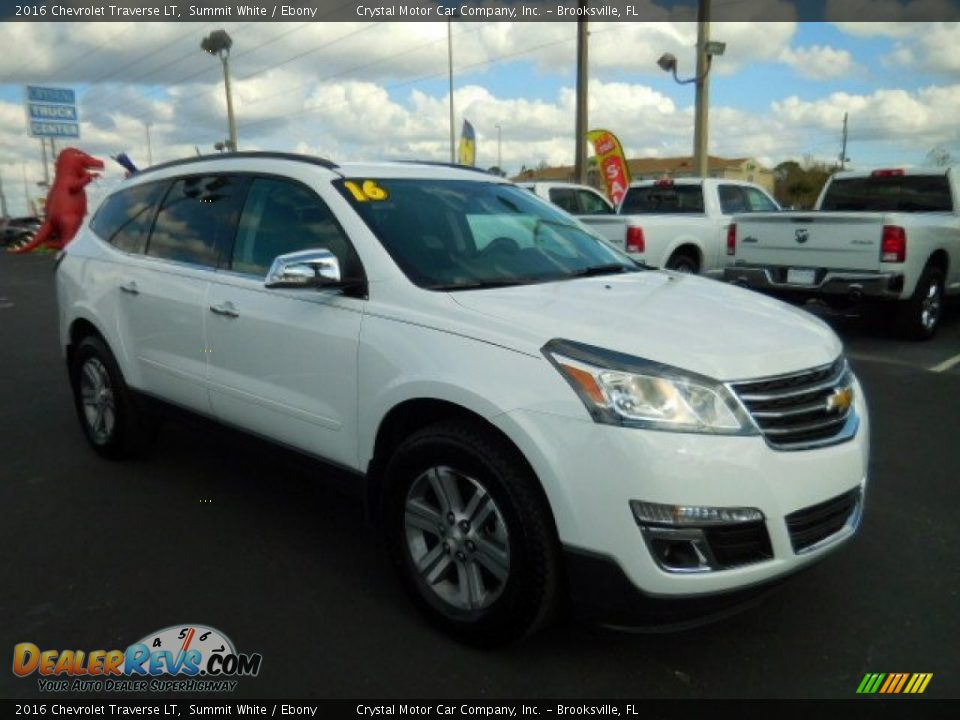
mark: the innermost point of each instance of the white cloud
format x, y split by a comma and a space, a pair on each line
820, 62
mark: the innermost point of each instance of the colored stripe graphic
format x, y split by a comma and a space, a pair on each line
894, 683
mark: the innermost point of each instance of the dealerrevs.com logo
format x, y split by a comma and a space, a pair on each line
180, 658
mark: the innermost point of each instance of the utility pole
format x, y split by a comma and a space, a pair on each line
843, 150
26, 190
453, 154
702, 106
580, 158
499, 154
46, 170
3, 200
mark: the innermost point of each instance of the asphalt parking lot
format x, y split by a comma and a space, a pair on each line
213, 529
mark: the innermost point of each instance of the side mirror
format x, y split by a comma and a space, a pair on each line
304, 269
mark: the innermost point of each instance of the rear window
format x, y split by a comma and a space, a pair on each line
659, 199
903, 193
124, 218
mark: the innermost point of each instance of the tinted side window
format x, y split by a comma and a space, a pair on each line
758, 202
732, 200
124, 219
565, 199
198, 218
651, 199
281, 217
592, 204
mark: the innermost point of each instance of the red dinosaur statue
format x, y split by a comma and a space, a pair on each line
66, 202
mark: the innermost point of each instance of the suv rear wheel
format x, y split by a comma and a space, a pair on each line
470, 533
110, 420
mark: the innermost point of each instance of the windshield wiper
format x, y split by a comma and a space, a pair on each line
482, 284
608, 269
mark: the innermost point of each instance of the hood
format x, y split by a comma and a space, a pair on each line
692, 323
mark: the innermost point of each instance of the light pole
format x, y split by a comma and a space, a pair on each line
149, 148
218, 43
499, 154
453, 157
706, 50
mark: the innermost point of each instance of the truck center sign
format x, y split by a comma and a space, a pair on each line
52, 112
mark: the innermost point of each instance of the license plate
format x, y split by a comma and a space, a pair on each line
801, 276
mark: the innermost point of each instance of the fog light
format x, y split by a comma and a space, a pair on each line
647, 513
678, 550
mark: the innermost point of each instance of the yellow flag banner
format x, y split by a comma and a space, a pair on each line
468, 145
613, 165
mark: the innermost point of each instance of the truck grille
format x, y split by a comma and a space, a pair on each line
818, 522
802, 410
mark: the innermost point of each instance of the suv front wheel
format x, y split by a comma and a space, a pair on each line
470, 533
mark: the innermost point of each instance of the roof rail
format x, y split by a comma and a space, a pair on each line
322, 162
440, 163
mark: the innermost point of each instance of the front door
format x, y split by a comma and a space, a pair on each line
283, 363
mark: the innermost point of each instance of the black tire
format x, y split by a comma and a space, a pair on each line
520, 527
684, 262
115, 427
919, 317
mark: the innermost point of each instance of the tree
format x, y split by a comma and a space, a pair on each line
939, 157
797, 185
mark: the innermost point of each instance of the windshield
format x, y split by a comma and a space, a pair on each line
459, 235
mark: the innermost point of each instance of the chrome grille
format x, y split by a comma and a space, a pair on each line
804, 409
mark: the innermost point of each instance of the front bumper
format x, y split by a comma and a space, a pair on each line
849, 283
591, 472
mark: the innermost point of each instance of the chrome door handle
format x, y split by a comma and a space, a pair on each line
130, 288
226, 310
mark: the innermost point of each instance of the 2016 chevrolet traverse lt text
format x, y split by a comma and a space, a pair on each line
534, 415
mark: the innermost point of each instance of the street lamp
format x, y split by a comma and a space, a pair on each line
499, 155
706, 50
218, 43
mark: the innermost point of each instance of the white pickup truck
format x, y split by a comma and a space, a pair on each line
680, 224
885, 235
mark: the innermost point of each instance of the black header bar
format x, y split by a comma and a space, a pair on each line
478, 10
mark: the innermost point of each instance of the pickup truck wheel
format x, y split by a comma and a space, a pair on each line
112, 423
919, 316
683, 262
470, 534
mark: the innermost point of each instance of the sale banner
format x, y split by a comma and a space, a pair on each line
612, 163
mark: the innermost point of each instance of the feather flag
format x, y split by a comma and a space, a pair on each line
613, 164
467, 153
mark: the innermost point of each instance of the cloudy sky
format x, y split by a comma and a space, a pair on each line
379, 90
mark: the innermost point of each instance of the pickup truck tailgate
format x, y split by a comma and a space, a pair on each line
822, 240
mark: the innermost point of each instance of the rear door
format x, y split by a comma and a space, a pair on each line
164, 289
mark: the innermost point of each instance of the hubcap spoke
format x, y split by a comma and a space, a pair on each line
421, 516
444, 484
493, 558
433, 564
476, 592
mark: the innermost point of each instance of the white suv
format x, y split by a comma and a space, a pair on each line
533, 415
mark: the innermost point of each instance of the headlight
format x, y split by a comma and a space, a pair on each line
623, 390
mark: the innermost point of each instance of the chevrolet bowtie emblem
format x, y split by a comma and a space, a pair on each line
840, 400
